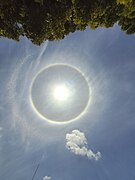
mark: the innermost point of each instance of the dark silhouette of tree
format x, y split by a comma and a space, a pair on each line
41, 20
127, 16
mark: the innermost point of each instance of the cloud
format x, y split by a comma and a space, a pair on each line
76, 143
47, 178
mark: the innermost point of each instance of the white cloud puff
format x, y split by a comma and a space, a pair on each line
76, 142
47, 178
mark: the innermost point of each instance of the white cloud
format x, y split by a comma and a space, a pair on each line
77, 144
47, 178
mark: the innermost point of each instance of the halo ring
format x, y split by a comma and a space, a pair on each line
53, 121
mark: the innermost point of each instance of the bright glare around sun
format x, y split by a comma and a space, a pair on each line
61, 93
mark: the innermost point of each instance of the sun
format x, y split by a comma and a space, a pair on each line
61, 93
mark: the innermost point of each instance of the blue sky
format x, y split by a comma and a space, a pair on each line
107, 59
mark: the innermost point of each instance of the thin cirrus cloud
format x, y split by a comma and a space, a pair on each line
76, 143
47, 178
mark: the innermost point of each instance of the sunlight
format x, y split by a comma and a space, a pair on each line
61, 93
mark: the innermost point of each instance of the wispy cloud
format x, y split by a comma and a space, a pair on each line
76, 142
47, 178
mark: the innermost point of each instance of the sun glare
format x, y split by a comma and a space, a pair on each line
61, 93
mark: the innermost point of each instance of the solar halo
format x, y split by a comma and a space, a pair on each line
60, 93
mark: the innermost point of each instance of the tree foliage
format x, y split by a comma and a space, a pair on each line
41, 20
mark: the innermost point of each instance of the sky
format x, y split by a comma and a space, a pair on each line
100, 144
